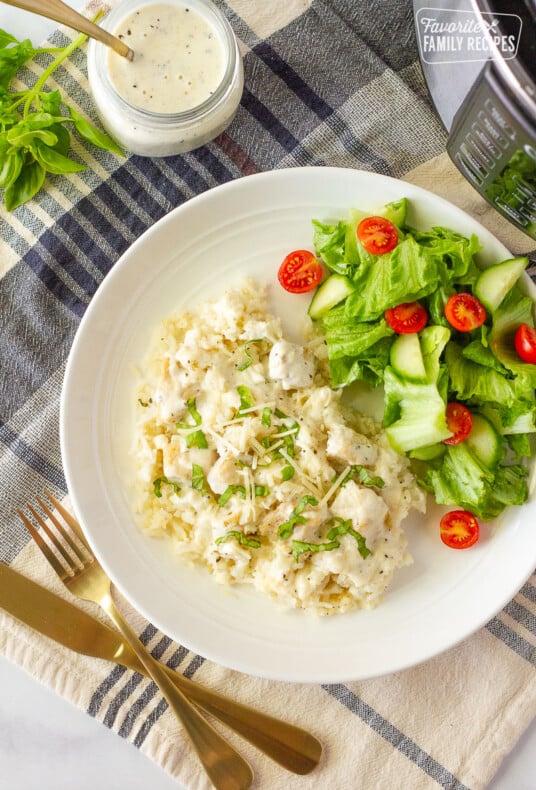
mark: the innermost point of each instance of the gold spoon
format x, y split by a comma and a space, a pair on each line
65, 15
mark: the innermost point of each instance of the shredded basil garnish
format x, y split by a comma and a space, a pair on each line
364, 476
266, 418
196, 438
286, 529
199, 481
246, 399
159, 482
249, 358
341, 528
251, 543
345, 527
194, 414
300, 546
241, 492
287, 473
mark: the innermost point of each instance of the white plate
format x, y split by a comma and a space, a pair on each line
246, 227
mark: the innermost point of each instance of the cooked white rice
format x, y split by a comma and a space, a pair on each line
293, 493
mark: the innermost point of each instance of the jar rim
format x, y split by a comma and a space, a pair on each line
228, 40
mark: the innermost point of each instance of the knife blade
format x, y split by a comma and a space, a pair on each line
292, 747
61, 621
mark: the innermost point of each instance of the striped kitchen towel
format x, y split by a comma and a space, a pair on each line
327, 82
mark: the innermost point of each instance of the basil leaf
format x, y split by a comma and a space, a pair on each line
92, 134
13, 57
10, 168
64, 138
6, 38
38, 120
24, 139
53, 161
28, 183
51, 102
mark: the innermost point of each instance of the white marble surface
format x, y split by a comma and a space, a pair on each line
47, 742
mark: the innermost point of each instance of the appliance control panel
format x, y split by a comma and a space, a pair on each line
497, 155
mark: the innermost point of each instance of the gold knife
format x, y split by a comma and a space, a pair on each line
292, 747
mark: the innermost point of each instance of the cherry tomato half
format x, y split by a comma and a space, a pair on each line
377, 235
525, 343
465, 312
300, 272
459, 421
407, 318
459, 529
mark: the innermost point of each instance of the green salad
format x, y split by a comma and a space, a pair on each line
451, 344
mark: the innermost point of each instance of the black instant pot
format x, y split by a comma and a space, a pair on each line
479, 61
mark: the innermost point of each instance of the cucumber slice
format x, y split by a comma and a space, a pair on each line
328, 294
493, 283
485, 442
428, 453
406, 358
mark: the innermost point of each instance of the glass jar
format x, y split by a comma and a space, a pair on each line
147, 133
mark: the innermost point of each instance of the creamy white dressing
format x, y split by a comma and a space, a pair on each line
179, 58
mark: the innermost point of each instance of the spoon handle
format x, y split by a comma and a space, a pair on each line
65, 15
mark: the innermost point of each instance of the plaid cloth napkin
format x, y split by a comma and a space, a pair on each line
328, 82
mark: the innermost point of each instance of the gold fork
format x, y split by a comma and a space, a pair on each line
84, 577
290, 746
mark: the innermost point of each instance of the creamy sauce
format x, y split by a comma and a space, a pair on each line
179, 59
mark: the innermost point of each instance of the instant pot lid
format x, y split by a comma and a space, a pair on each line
450, 82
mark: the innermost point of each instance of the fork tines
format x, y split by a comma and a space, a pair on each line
54, 540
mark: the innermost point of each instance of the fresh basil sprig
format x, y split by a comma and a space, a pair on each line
34, 124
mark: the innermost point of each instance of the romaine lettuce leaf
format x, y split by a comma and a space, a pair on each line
476, 351
406, 274
510, 485
357, 351
329, 242
462, 481
368, 367
473, 382
515, 309
453, 251
347, 337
